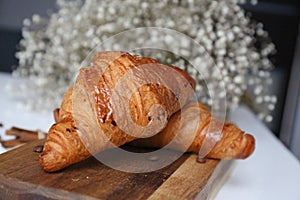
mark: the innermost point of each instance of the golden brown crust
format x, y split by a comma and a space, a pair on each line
63, 146
66, 105
146, 95
234, 143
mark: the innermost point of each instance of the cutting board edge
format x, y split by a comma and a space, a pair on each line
172, 188
26, 191
217, 180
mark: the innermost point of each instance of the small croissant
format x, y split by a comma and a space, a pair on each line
191, 125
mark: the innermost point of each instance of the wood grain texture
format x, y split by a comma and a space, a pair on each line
185, 180
21, 177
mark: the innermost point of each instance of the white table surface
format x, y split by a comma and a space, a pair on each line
272, 172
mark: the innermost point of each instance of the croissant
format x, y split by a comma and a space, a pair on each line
118, 94
188, 129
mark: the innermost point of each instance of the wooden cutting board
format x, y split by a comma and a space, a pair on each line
21, 177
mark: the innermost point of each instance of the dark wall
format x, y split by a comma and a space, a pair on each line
8, 46
281, 20
12, 14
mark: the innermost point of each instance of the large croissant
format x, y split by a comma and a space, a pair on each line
87, 107
93, 105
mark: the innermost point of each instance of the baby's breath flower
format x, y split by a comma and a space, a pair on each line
53, 49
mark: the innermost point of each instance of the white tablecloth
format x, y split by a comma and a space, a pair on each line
272, 172
13, 113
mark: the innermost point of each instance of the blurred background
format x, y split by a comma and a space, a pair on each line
280, 19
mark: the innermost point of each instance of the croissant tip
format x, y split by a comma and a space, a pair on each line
50, 160
46, 162
248, 148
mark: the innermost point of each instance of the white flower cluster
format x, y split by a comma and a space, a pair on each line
53, 49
